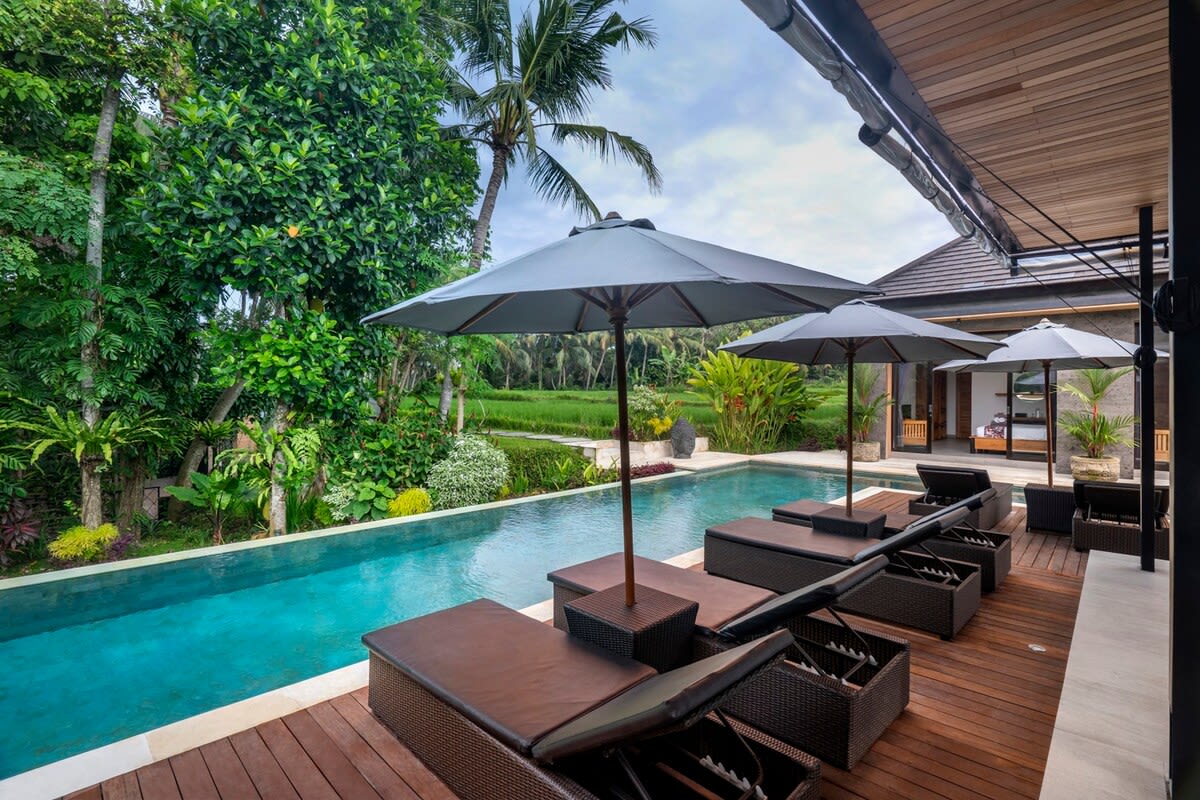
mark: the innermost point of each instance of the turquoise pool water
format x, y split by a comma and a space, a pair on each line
92, 660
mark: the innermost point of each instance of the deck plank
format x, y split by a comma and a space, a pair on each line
978, 725
191, 775
157, 782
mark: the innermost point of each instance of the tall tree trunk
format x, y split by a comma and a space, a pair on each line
133, 484
91, 511
462, 399
499, 167
278, 507
196, 450
447, 390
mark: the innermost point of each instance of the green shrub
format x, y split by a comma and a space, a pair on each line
816, 434
541, 466
83, 544
398, 452
474, 472
410, 501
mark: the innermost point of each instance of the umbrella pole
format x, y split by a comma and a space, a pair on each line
618, 323
850, 433
1049, 427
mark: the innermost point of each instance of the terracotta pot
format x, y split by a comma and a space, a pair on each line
1107, 468
866, 451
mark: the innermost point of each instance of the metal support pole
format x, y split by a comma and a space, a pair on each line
618, 323
1049, 426
1146, 358
1184, 224
850, 432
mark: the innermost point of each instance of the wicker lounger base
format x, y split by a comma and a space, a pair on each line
1115, 537
994, 562
925, 605
821, 716
477, 766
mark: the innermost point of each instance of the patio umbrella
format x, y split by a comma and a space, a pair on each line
1051, 344
621, 274
859, 332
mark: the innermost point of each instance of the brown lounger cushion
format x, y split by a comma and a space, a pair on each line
459, 655
720, 599
792, 539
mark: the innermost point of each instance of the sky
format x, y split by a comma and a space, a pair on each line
757, 153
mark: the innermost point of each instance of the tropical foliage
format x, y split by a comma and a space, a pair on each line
409, 502
754, 399
83, 544
869, 404
1092, 429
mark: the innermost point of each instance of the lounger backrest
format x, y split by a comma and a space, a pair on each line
665, 702
801, 602
1113, 500
911, 536
953, 482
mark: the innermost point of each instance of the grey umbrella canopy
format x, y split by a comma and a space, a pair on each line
859, 332
1049, 345
621, 273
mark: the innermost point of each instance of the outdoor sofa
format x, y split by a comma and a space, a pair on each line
1107, 518
838, 689
500, 705
918, 588
991, 550
947, 485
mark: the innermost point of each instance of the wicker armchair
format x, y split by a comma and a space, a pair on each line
1107, 518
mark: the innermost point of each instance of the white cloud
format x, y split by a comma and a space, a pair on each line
757, 153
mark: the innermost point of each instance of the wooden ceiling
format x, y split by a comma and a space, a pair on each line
1066, 100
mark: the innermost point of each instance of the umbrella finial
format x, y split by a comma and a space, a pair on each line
613, 215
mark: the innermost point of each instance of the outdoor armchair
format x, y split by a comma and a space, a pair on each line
838, 689
500, 705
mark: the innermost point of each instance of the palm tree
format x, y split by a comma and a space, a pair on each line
540, 76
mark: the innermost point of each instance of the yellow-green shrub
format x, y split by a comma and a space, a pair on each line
83, 544
410, 501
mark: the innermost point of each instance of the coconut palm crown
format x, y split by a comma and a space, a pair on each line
537, 75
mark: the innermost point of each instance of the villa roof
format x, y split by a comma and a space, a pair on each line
958, 279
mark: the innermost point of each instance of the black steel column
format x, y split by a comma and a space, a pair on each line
1184, 225
1146, 358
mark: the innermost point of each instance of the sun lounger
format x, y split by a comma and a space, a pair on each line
500, 705
947, 485
919, 588
1107, 518
839, 689
991, 550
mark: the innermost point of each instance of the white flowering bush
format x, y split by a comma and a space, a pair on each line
474, 472
338, 498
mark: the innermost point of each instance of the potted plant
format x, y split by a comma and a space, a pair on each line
868, 408
1094, 431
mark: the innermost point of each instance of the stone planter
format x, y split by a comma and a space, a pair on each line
1107, 468
866, 451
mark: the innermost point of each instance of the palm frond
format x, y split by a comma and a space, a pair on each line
607, 143
555, 184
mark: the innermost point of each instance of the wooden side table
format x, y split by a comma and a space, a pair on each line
801, 511
655, 631
863, 522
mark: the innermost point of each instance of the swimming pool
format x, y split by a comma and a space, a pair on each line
94, 659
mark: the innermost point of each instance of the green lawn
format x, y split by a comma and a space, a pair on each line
570, 413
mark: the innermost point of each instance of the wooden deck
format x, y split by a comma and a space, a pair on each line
978, 724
